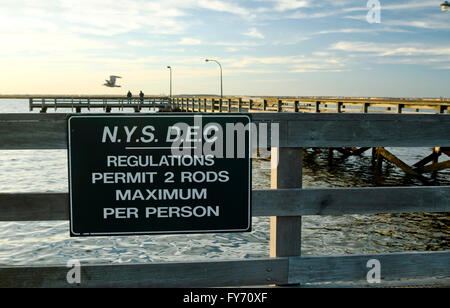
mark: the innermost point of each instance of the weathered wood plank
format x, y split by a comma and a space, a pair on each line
48, 131
285, 231
346, 130
354, 267
271, 202
33, 131
34, 206
343, 201
235, 273
191, 274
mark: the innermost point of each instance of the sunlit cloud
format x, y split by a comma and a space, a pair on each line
253, 32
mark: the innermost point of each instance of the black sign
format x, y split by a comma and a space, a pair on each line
159, 174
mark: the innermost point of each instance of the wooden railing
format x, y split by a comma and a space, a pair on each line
286, 203
310, 105
243, 104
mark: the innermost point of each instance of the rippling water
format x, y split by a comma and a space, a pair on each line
49, 242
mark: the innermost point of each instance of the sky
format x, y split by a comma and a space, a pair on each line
266, 47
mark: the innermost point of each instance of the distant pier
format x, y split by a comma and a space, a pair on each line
240, 104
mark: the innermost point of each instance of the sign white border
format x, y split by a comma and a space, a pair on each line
161, 232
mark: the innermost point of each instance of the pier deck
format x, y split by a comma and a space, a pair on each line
237, 104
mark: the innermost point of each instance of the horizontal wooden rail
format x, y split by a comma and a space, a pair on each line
48, 131
354, 267
190, 274
287, 270
279, 202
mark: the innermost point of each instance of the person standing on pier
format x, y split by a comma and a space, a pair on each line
141, 96
129, 96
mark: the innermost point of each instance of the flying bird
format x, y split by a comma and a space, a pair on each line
112, 82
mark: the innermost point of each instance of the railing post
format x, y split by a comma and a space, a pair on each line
286, 172
212, 104
30, 100
240, 105
265, 105
279, 105
229, 105
318, 106
400, 108
250, 104
366, 107
296, 106
220, 105
339, 107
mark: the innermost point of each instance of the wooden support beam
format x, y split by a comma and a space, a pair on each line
435, 167
446, 151
360, 150
425, 161
374, 155
344, 151
378, 161
330, 155
398, 162
317, 107
286, 172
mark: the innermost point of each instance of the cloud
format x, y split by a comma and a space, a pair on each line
405, 49
190, 41
409, 5
287, 5
253, 32
434, 22
223, 6
437, 57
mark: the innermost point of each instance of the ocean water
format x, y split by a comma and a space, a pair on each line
34, 243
